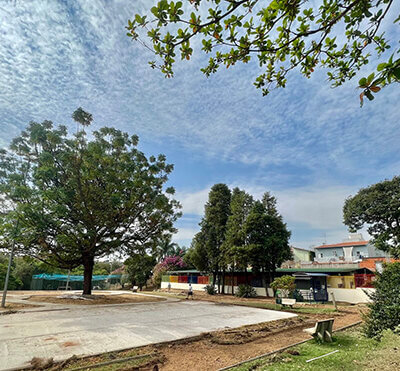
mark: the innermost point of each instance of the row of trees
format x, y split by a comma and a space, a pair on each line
238, 232
23, 268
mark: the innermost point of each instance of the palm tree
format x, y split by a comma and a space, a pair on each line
166, 248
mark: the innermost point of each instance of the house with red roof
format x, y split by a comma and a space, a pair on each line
352, 250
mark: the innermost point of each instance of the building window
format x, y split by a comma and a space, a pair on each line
335, 253
321, 255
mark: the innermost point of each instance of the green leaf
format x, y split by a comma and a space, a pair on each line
370, 78
396, 72
381, 66
363, 82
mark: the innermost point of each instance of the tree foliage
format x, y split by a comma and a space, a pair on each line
384, 309
213, 226
139, 268
339, 35
377, 206
252, 233
77, 199
165, 247
286, 284
267, 239
234, 249
14, 282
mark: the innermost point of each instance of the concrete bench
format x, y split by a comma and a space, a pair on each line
288, 302
322, 330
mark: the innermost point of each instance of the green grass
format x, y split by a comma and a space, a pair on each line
356, 353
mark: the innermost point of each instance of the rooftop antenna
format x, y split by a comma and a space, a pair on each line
324, 235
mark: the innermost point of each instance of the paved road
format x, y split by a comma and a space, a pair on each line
61, 334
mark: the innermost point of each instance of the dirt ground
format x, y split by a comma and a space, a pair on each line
207, 354
63, 298
230, 299
15, 306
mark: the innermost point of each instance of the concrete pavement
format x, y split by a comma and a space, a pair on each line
92, 330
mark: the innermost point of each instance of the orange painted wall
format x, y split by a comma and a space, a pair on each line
370, 262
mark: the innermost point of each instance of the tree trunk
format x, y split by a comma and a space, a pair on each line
265, 283
219, 282
88, 263
233, 283
223, 281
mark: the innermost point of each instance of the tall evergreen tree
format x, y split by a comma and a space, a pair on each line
269, 203
234, 251
213, 227
197, 254
268, 241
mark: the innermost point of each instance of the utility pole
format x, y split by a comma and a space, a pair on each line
3, 300
66, 286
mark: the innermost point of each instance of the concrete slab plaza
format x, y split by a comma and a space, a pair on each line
91, 330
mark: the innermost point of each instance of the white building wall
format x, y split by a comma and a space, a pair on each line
352, 296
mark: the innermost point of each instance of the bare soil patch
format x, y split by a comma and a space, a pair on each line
16, 306
94, 299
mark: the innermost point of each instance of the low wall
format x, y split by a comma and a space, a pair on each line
352, 296
183, 286
200, 287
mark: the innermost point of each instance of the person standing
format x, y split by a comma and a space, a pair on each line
169, 286
190, 292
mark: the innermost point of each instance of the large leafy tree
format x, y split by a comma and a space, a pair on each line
77, 199
378, 207
268, 241
339, 35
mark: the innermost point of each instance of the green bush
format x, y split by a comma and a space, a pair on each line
384, 313
210, 289
296, 294
286, 284
246, 291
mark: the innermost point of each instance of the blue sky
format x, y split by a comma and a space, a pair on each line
310, 145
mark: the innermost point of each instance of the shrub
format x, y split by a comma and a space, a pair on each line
286, 284
246, 291
296, 294
384, 313
210, 290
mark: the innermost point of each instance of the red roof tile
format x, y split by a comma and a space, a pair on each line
343, 244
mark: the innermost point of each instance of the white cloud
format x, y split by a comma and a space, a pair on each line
185, 235
318, 208
193, 202
59, 56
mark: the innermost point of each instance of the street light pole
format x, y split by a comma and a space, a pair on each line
3, 300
